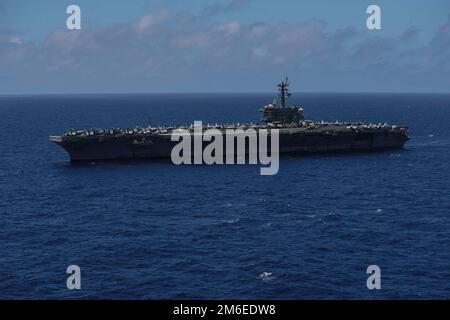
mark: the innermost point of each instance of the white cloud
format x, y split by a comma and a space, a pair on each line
260, 52
15, 40
228, 28
150, 20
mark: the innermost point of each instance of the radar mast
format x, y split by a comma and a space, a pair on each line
283, 87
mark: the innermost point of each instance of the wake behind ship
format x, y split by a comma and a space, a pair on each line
296, 135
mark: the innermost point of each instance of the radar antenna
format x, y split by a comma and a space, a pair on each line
283, 87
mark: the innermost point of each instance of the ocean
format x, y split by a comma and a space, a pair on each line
152, 230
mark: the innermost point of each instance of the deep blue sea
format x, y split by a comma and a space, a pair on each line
152, 230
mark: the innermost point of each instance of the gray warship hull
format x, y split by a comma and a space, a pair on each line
296, 136
321, 139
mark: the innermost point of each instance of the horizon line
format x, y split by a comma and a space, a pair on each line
215, 92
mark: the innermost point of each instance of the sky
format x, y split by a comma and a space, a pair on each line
223, 46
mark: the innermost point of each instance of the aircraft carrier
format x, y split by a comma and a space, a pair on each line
296, 135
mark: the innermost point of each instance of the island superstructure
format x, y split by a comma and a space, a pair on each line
296, 135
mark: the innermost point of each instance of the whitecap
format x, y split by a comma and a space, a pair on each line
266, 276
231, 221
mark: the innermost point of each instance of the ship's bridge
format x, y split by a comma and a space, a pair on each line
278, 113
273, 114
